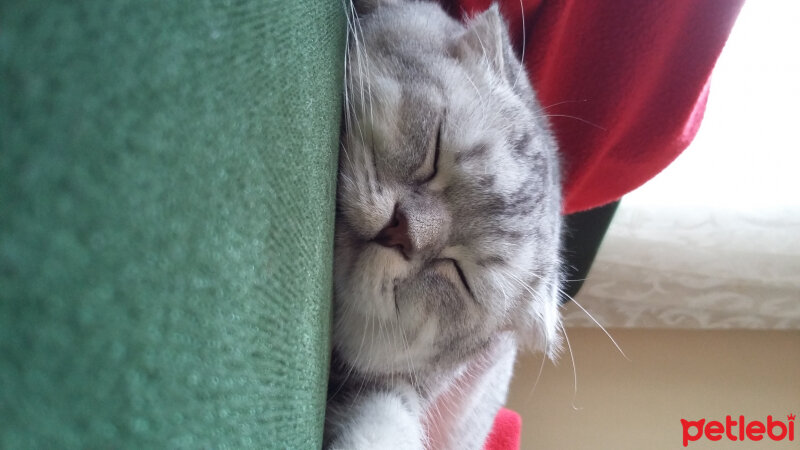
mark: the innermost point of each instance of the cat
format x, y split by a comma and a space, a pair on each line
448, 229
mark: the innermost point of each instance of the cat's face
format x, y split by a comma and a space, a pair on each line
448, 210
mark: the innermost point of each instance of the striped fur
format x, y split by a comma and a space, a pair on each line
440, 324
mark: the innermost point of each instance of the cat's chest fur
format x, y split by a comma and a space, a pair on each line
453, 410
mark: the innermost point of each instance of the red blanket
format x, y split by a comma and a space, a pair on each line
625, 82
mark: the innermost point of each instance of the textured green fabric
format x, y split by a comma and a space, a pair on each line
167, 181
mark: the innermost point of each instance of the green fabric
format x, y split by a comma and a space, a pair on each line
167, 183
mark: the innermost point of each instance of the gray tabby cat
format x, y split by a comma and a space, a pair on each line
447, 230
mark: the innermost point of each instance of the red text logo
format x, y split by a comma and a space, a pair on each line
738, 430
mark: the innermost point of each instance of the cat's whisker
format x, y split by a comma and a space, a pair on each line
348, 159
573, 280
578, 119
480, 41
523, 284
344, 381
524, 38
354, 29
409, 361
559, 103
613, 341
351, 18
574, 368
436, 410
536, 297
538, 374
477, 91
505, 296
362, 167
359, 52
369, 326
365, 54
364, 68
393, 331
357, 30
361, 134
382, 337
448, 409
564, 293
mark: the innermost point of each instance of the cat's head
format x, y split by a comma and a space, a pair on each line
448, 212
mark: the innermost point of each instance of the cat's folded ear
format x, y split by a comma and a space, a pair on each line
485, 39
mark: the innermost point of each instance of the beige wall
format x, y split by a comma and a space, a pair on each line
672, 374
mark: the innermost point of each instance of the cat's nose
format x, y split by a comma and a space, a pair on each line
396, 234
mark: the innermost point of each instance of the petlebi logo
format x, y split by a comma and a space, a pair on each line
738, 429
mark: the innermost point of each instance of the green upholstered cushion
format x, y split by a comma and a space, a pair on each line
167, 182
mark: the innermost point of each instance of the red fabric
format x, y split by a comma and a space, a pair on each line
505, 431
631, 75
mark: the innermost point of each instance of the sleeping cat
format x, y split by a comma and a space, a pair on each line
447, 230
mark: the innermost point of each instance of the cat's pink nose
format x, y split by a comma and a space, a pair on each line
395, 234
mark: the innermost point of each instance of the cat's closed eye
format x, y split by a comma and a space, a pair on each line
452, 264
437, 142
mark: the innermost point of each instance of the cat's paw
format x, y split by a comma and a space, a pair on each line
382, 420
